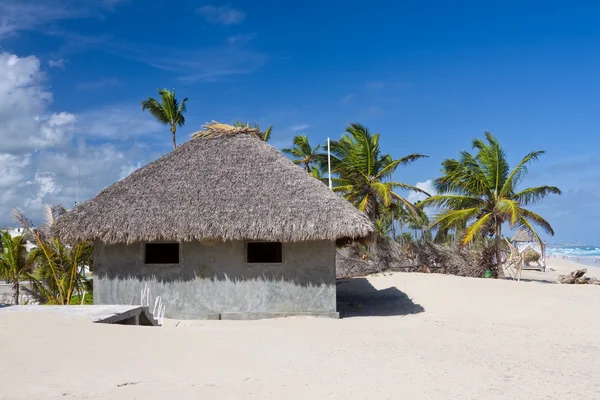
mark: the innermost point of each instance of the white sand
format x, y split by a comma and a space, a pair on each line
473, 339
558, 266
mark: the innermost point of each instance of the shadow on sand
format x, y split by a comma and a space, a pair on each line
356, 297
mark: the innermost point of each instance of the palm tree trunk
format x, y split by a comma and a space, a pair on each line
393, 226
307, 166
500, 270
15, 288
173, 130
372, 207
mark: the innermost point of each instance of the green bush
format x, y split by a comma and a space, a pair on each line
76, 300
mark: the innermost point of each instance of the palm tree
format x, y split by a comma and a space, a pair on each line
303, 153
364, 175
169, 111
419, 222
479, 193
264, 136
14, 261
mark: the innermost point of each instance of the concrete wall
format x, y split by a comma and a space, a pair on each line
6, 294
215, 278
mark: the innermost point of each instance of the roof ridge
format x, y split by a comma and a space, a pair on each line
215, 129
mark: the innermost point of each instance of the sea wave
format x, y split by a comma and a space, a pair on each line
574, 251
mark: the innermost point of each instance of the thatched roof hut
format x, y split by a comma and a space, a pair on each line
224, 184
523, 235
526, 243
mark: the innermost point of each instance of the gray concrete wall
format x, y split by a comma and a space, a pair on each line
6, 294
215, 278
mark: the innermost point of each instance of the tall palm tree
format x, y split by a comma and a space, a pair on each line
419, 222
264, 135
303, 153
479, 192
168, 111
14, 261
364, 175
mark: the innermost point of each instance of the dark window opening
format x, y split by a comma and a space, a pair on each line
264, 252
162, 253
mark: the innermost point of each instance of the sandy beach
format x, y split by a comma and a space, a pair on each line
559, 266
406, 335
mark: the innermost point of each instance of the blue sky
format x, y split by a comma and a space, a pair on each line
428, 75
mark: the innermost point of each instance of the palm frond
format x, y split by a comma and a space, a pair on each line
537, 220
536, 194
519, 172
477, 229
452, 201
508, 209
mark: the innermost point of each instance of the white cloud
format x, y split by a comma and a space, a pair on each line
189, 65
25, 15
241, 39
300, 127
58, 63
26, 124
62, 177
39, 162
427, 186
117, 121
12, 170
44, 185
126, 170
225, 15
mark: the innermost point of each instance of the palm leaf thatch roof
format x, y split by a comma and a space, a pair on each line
223, 184
523, 236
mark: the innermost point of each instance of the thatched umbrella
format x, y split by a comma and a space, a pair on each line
223, 184
523, 235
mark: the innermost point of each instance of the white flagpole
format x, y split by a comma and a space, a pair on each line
329, 163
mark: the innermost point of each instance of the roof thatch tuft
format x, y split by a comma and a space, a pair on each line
223, 184
523, 235
214, 129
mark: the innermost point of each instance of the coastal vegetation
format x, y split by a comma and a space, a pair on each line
479, 193
475, 197
303, 153
60, 267
363, 174
459, 229
15, 262
167, 111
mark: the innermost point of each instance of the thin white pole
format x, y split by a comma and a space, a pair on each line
329, 163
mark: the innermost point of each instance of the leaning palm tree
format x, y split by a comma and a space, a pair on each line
479, 194
302, 152
264, 136
169, 111
14, 261
364, 175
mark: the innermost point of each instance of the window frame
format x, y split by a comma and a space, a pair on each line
247, 246
179, 253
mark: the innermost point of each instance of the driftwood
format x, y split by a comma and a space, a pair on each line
515, 260
577, 278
